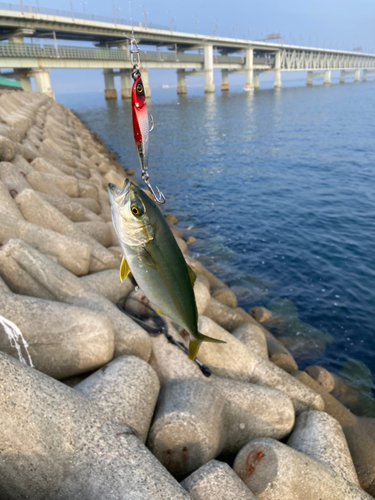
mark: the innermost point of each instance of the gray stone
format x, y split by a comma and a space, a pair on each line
274, 471
320, 436
56, 444
27, 271
126, 390
63, 340
108, 283
7, 149
361, 446
234, 360
37, 210
72, 254
253, 337
216, 481
197, 417
99, 230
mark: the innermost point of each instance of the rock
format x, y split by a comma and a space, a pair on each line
27, 271
63, 340
108, 283
322, 376
126, 390
37, 210
253, 337
233, 360
98, 230
67, 183
274, 471
224, 295
59, 445
320, 436
216, 481
7, 149
171, 219
197, 418
68, 252
361, 446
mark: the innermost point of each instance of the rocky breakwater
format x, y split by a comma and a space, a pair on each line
109, 411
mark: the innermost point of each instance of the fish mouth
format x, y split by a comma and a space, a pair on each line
116, 193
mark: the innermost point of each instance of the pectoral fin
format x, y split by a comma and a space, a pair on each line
124, 269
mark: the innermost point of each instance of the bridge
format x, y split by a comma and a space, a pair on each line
190, 54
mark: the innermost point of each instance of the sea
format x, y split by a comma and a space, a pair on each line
278, 188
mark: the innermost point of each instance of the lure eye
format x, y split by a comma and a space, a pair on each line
139, 88
136, 210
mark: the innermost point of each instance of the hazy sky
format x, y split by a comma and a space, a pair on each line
340, 24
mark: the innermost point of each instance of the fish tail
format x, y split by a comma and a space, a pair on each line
195, 343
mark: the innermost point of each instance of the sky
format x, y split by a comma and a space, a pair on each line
338, 24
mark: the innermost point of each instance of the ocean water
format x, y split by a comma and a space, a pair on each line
278, 187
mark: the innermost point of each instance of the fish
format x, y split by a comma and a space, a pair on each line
141, 126
151, 254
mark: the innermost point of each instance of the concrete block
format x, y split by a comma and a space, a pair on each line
50, 148
322, 376
98, 230
108, 283
22, 165
199, 268
67, 183
69, 253
12, 179
90, 204
71, 209
10, 132
88, 190
234, 360
253, 337
27, 149
198, 417
202, 295
37, 210
27, 271
224, 295
320, 436
274, 471
8, 207
114, 177
7, 149
216, 481
126, 390
43, 165
58, 445
63, 340
361, 446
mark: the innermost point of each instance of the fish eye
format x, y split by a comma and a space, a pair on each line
136, 210
139, 88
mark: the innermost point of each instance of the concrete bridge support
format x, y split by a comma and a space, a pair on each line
109, 82
277, 83
249, 70
43, 82
209, 86
224, 80
146, 83
126, 83
256, 80
310, 78
181, 82
342, 76
364, 75
25, 83
327, 77
357, 76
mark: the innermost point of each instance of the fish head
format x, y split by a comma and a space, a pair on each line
131, 209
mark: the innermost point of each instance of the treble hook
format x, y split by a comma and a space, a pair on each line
160, 198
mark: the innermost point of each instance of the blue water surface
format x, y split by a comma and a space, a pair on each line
279, 188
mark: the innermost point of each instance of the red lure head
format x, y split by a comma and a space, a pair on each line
138, 93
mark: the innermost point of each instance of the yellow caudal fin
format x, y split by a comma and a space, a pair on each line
193, 349
124, 269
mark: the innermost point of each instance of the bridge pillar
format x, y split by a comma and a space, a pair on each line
256, 80
26, 83
109, 82
224, 80
209, 86
309, 79
43, 82
181, 82
277, 83
146, 82
357, 75
327, 77
249, 70
342, 76
126, 83
364, 75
